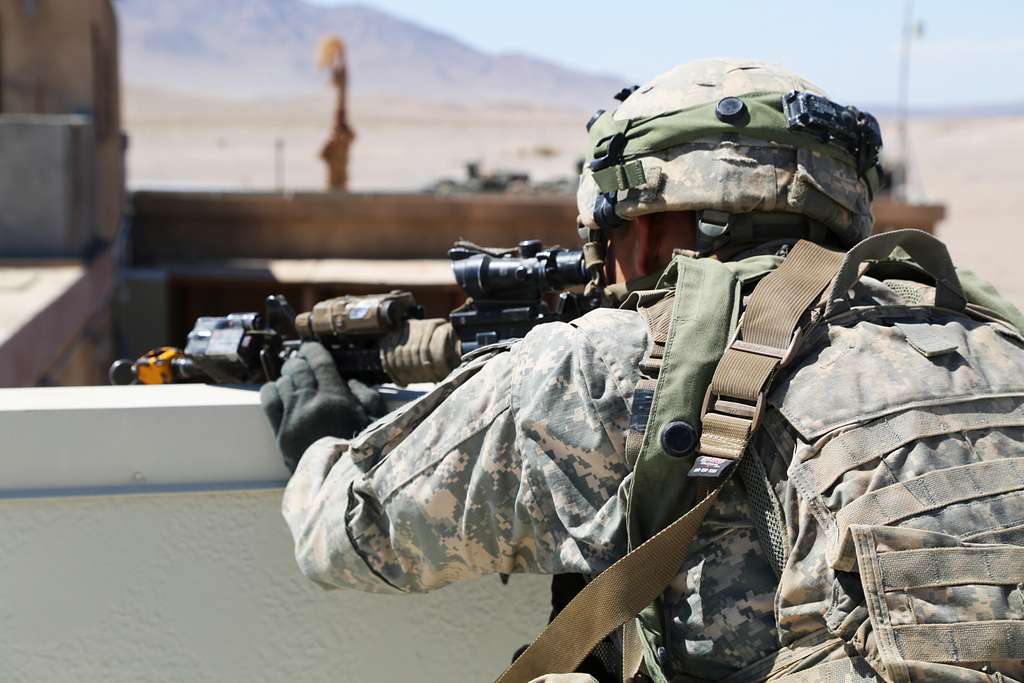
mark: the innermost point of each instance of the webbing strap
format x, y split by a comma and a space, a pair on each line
766, 340
782, 298
931, 491
643, 395
620, 177
978, 641
858, 447
942, 567
595, 250
615, 596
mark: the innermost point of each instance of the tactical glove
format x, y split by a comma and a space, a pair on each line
310, 401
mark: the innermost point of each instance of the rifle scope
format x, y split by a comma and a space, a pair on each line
490, 277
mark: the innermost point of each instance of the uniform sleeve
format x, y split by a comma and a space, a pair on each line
514, 464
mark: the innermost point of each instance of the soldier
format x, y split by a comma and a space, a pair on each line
869, 404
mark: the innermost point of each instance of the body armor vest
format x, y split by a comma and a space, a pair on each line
884, 474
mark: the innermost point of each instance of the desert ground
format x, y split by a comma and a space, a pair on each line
972, 165
178, 141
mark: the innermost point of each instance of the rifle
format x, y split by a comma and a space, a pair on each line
380, 338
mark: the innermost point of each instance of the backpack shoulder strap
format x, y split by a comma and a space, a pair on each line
768, 338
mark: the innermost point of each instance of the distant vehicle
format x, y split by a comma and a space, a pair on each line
500, 181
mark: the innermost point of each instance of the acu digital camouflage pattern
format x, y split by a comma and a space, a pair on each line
734, 173
516, 464
895, 450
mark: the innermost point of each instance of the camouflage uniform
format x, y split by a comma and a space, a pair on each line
516, 463
900, 556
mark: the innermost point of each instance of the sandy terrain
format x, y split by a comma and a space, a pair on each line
972, 165
196, 143
976, 167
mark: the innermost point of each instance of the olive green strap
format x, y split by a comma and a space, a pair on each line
595, 250
621, 177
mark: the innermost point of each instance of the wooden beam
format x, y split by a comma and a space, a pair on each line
182, 226
892, 215
188, 225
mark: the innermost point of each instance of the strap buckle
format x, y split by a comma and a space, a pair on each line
735, 410
727, 425
712, 230
733, 419
785, 356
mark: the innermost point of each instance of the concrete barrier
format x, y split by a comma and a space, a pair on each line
140, 539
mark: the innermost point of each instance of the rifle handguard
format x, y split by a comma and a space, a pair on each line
421, 351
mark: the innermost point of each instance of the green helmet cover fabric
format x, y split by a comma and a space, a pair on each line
679, 156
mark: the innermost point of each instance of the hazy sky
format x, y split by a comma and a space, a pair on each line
970, 53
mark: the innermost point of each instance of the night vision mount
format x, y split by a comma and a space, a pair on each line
854, 131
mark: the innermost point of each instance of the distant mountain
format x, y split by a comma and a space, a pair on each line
256, 48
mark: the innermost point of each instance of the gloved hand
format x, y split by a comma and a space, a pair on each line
310, 401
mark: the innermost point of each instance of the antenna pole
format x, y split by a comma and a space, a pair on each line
904, 96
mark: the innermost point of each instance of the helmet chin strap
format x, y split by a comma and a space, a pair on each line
595, 251
718, 229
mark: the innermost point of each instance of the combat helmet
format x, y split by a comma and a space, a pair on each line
754, 149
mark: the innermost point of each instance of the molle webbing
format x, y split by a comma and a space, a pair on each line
858, 447
891, 568
942, 567
930, 491
979, 641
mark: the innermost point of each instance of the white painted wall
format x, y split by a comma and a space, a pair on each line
140, 539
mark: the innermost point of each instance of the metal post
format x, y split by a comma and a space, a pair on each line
904, 97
